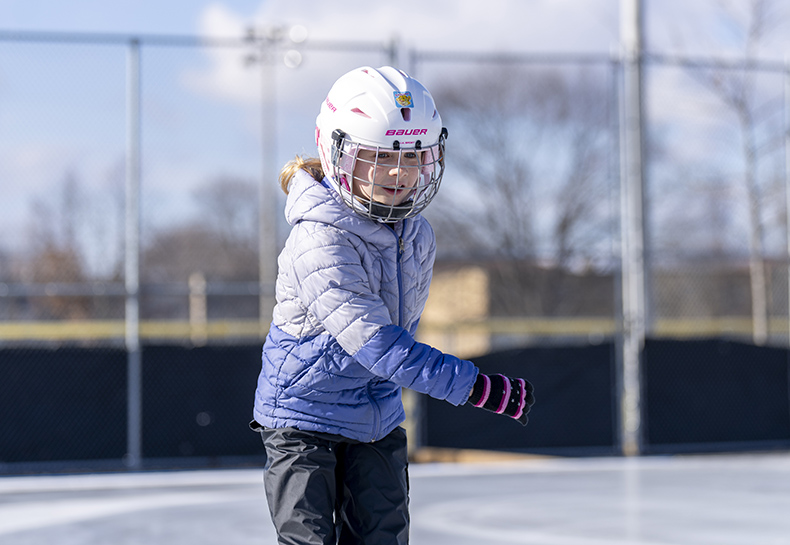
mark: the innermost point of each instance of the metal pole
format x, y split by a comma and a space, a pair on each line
632, 229
267, 205
787, 181
616, 203
132, 261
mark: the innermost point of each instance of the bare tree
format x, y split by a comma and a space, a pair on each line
738, 91
175, 253
74, 235
221, 242
55, 253
531, 149
228, 205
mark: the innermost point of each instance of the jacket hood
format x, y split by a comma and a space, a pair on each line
309, 200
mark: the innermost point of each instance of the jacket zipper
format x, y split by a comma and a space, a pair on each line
399, 273
399, 255
401, 249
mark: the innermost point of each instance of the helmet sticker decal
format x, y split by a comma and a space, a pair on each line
403, 99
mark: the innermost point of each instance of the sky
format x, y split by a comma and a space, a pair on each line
31, 77
435, 23
218, 86
557, 25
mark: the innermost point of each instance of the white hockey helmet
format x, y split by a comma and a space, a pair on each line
388, 113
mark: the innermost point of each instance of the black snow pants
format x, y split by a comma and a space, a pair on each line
325, 489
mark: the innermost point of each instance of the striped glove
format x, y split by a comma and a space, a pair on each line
502, 395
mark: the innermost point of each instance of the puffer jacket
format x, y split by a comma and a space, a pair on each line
350, 292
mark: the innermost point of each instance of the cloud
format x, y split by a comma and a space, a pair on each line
227, 75
454, 24
439, 25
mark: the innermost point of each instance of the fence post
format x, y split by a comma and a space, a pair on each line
632, 230
198, 309
786, 127
133, 456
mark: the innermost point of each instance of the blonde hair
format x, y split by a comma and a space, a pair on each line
311, 165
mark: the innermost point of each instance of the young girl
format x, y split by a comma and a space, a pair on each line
353, 280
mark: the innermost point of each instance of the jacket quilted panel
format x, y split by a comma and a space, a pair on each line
350, 292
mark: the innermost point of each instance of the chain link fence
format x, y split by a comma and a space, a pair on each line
527, 222
717, 198
207, 146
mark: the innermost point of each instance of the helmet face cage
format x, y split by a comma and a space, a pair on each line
386, 184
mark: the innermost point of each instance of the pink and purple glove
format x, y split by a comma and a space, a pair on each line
502, 395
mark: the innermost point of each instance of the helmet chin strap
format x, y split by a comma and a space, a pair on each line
387, 214
381, 212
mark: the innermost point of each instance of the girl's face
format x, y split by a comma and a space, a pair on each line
386, 176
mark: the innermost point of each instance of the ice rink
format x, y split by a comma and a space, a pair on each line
689, 500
